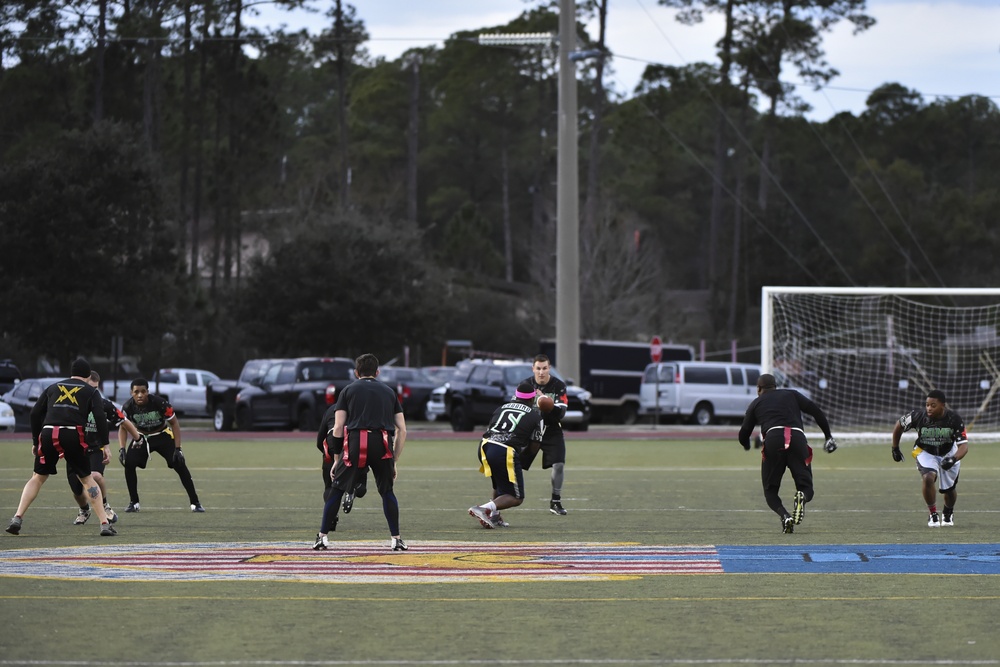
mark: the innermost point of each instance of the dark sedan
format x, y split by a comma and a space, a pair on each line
23, 397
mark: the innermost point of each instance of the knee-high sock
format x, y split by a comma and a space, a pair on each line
132, 482
390, 507
331, 508
557, 479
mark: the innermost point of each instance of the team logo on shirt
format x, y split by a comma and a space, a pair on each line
68, 394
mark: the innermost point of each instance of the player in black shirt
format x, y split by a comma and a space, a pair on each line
58, 421
553, 442
516, 430
940, 446
779, 414
154, 418
99, 455
369, 423
331, 449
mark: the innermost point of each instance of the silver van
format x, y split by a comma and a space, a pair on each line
698, 390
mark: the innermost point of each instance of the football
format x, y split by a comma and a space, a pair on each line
545, 404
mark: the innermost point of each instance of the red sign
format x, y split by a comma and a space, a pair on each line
656, 349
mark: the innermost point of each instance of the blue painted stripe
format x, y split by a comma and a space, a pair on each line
863, 558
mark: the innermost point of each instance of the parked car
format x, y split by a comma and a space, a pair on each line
10, 375
293, 393
472, 397
220, 395
699, 391
435, 407
23, 397
412, 386
6, 418
702, 391
184, 388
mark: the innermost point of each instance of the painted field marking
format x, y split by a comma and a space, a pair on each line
360, 562
457, 562
863, 558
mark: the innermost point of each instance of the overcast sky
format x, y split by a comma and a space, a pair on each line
943, 48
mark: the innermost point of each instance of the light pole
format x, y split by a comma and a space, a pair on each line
567, 185
567, 203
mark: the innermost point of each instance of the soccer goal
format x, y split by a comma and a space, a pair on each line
867, 355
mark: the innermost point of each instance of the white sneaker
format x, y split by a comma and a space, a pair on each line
934, 520
397, 544
483, 515
82, 517
948, 519
112, 517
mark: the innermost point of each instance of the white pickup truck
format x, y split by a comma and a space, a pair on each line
183, 387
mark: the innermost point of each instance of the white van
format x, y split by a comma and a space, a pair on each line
698, 390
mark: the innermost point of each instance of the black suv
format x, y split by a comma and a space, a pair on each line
471, 399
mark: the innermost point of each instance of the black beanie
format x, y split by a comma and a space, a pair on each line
80, 368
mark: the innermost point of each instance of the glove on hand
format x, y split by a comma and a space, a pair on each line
121, 456
178, 455
897, 455
948, 462
830, 446
746, 446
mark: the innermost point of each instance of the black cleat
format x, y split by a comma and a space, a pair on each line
398, 544
14, 527
348, 502
799, 508
555, 506
787, 525
132, 507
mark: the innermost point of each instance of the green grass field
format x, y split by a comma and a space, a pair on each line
644, 492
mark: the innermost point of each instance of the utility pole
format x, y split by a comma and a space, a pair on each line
567, 203
567, 185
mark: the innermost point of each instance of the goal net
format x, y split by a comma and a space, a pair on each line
868, 355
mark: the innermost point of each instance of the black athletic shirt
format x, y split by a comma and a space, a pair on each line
556, 390
150, 418
514, 424
114, 416
69, 402
780, 407
935, 436
326, 427
371, 405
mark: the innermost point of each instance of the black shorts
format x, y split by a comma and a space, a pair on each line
502, 464
96, 462
161, 442
366, 450
65, 442
553, 448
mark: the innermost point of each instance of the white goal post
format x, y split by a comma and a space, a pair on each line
869, 354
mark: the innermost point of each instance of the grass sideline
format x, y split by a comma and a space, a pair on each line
647, 492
